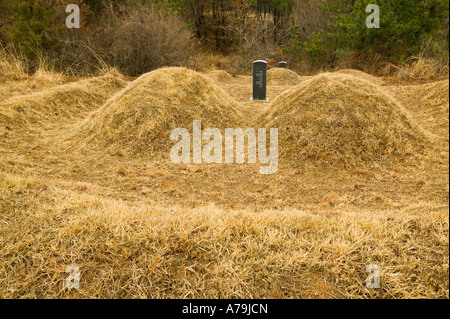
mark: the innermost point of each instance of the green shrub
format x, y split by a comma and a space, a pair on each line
404, 27
34, 27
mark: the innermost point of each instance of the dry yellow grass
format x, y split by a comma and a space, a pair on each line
11, 65
148, 228
141, 251
420, 68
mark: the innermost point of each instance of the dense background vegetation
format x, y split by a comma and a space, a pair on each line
138, 36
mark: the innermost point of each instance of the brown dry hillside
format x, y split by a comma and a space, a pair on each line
363, 179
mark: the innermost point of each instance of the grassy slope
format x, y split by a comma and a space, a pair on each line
141, 228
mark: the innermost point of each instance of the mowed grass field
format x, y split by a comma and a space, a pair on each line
86, 179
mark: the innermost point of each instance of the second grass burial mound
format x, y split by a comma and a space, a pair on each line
141, 117
219, 76
338, 118
281, 76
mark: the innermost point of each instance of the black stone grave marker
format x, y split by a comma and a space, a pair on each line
259, 80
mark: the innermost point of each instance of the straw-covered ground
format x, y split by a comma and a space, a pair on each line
86, 179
